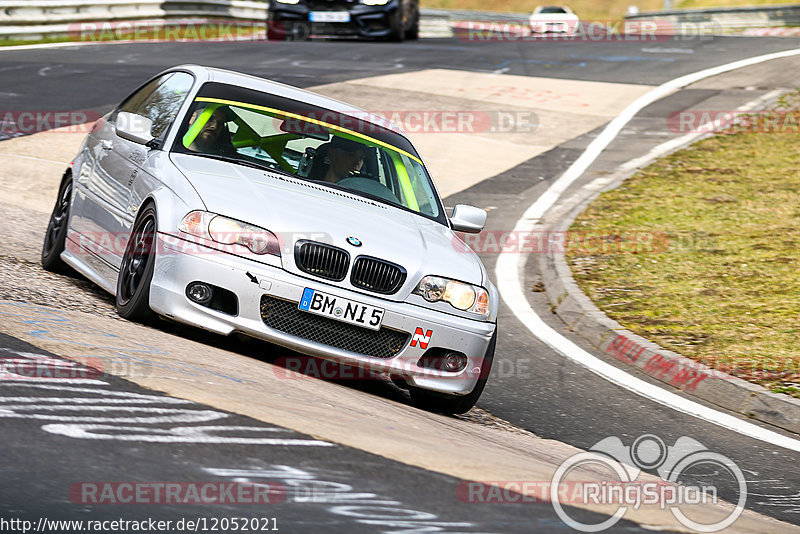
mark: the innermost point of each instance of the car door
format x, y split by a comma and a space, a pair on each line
106, 211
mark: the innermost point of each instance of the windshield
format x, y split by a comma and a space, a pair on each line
330, 148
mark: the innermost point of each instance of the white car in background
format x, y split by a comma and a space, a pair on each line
553, 19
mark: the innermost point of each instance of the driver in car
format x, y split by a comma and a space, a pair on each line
214, 138
346, 158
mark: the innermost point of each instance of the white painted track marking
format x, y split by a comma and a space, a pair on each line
509, 271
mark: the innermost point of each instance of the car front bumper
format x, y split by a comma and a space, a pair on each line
254, 282
370, 22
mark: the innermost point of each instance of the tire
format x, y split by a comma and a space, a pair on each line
288, 31
275, 31
452, 404
56, 234
396, 32
298, 31
136, 270
412, 33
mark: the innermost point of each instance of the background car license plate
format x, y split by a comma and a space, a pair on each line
329, 16
341, 309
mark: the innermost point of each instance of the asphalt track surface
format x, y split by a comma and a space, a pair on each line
557, 400
311, 485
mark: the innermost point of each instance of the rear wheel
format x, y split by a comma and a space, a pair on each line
451, 404
136, 270
56, 235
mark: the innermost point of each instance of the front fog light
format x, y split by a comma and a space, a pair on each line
199, 292
454, 362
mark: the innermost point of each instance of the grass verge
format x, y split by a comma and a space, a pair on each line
699, 253
22, 42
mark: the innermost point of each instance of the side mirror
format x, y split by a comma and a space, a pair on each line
134, 127
468, 219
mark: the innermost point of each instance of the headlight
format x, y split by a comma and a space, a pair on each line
230, 232
375, 2
460, 295
287, 1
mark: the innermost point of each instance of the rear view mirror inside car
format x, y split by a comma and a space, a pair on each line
305, 127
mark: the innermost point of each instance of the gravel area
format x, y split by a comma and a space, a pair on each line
22, 278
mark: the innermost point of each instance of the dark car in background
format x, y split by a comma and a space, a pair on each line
394, 20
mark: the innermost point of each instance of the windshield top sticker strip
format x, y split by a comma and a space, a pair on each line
307, 119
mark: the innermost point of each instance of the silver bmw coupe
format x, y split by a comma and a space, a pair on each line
240, 205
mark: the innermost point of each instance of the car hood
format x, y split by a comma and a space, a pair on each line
295, 210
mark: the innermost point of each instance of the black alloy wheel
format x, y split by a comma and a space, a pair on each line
56, 234
136, 270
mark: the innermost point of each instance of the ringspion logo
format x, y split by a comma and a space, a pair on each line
681, 465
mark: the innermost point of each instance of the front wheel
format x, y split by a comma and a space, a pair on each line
136, 270
451, 404
412, 32
396, 32
56, 235
288, 31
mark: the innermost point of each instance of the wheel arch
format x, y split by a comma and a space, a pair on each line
170, 209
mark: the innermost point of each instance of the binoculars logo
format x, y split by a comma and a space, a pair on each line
690, 476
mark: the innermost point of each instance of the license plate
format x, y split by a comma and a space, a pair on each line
329, 16
341, 309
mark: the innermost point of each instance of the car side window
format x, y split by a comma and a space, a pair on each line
132, 103
160, 100
163, 104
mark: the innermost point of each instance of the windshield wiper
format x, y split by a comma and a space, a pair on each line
358, 193
246, 163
